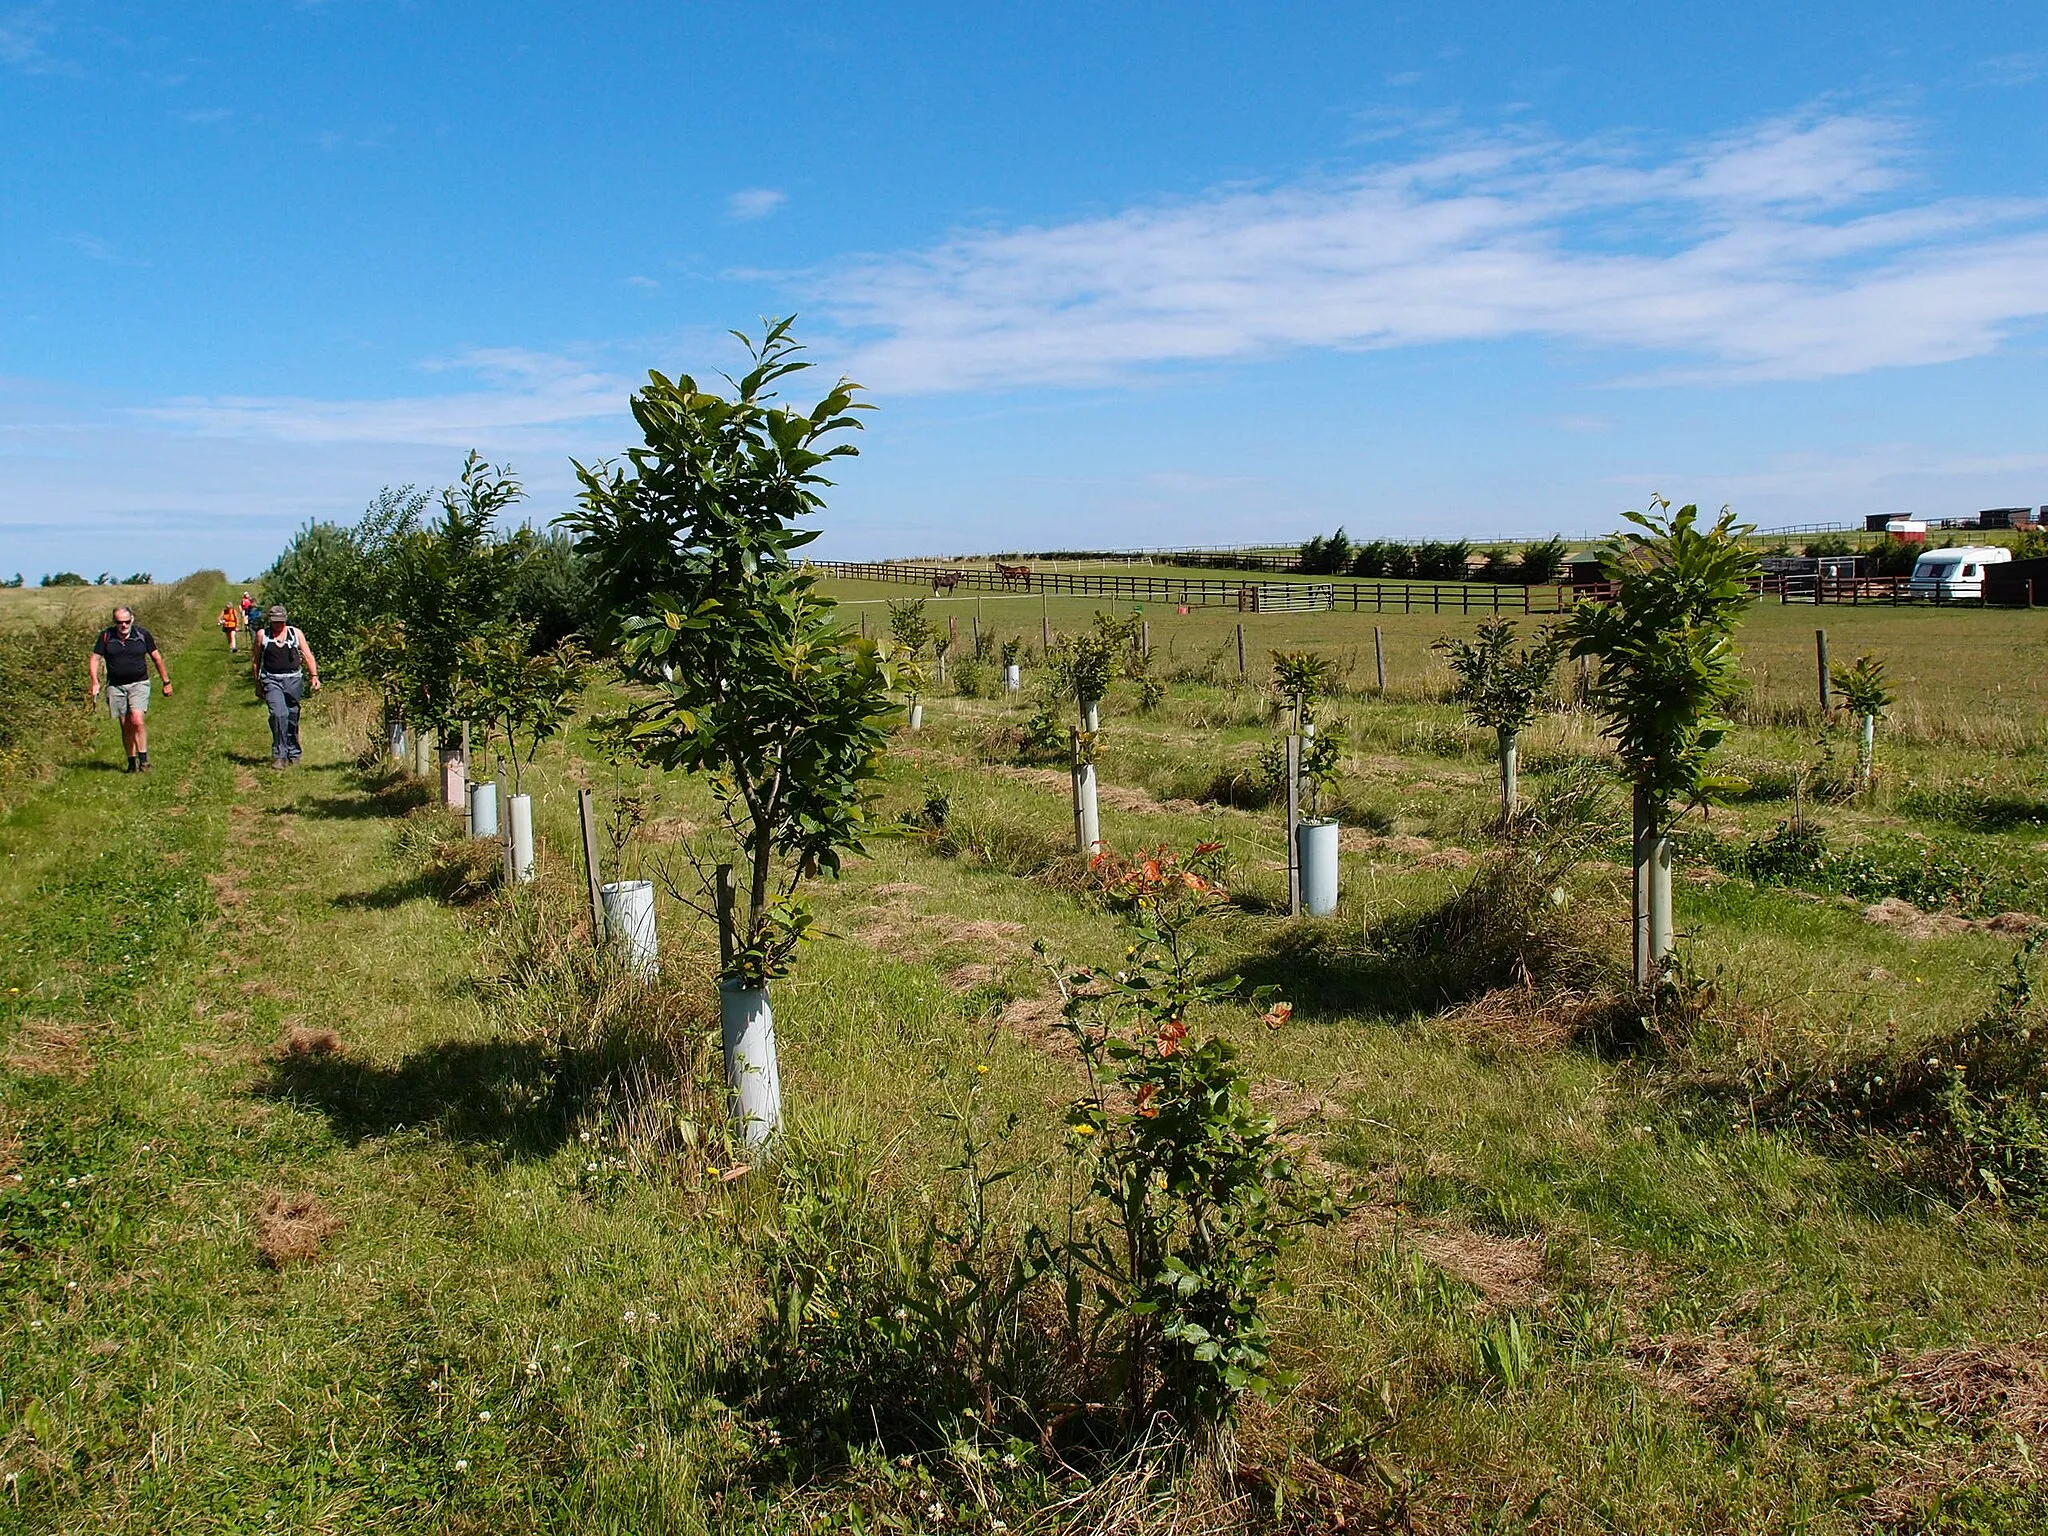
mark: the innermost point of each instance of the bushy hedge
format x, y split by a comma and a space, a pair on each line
43, 676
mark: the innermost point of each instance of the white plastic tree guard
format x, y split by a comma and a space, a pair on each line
1013, 678
747, 1029
483, 809
917, 717
522, 838
1087, 806
401, 742
629, 922
1315, 844
454, 782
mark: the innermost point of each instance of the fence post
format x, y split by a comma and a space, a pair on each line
1293, 825
863, 623
1379, 658
588, 825
1820, 657
1240, 648
1044, 623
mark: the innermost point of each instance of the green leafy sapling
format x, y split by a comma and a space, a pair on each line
1503, 688
1865, 693
912, 635
741, 667
1669, 671
1303, 680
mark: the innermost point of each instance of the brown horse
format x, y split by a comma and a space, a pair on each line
946, 579
1014, 573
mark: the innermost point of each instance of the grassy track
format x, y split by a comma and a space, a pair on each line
1573, 1298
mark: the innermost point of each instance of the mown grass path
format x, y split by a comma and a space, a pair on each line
156, 1373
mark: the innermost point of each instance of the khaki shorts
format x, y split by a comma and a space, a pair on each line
128, 698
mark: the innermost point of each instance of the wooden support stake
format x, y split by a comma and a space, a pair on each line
1044, 635
863, 623
1293, 825
1379, 658
1820, 657
505, 826
727, 899
1144, 637
586, 821
1240, 650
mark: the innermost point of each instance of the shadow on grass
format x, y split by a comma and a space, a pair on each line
389, 800
1325, 971
519, 1097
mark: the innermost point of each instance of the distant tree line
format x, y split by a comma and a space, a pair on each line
1432, 560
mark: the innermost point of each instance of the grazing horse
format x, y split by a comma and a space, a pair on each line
946, 579
1012, 573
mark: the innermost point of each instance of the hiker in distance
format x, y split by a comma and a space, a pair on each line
119, 664
231, 625
282, 664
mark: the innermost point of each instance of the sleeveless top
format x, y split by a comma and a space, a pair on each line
280, 653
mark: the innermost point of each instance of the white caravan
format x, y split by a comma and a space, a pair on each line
1943, 574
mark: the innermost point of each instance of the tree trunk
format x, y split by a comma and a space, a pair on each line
1510, 762
1651, 897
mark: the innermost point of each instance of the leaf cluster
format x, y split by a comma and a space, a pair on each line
1862, 686
1666, 643
1502, 687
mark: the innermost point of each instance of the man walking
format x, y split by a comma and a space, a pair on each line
120, 663
282, 664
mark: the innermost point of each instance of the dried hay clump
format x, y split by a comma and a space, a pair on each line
44, 1048
291, 1227
302, 1041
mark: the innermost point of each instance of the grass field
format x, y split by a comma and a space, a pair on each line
341, 1191
43, 605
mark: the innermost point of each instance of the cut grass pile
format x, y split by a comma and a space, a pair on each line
341, 1190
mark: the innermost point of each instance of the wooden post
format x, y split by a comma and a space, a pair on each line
726, 900
1293, 825
587, 822
1379, 658
505, 827
1820, 657
953, 628
863, 623
1240, 650
1144, 637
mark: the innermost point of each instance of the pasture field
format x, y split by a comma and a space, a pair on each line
66, 605
341, 1190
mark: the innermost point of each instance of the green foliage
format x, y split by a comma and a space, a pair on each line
1542, 563
517, 694
1862, 687
1442, 559
1929, 874
1970, 1106
1302, 679
1083, 666
747, 673
1194, 1194
1326, 557
1013, 648
1668, 665
911, 635
65, 579
1502, 688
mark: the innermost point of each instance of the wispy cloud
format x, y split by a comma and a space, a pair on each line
754, 203
23, 31
522, 393
1790, 250
645, 284
93, 248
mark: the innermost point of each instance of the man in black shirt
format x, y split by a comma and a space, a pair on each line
120, 664
283, 665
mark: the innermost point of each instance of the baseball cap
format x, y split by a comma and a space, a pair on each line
277, 615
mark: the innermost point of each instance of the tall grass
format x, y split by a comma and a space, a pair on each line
43, 674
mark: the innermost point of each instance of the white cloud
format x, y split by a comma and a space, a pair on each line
1787, 251
754, 203
22, 32
524, 393
644, 284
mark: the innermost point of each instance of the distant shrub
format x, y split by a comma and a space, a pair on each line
66, 579
1926, 874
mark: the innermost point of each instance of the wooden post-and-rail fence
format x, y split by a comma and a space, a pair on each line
1463, 597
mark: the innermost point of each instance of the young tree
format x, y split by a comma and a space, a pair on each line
1082, 667
1864, 691
911, 634
745, 671
1667, 671
515, 694
1503, 688
1303, 679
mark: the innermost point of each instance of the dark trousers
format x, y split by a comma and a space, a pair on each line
282, 692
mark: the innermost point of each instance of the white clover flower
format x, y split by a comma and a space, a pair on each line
1010, 1460
462, 1466
485, 1416
936, 1510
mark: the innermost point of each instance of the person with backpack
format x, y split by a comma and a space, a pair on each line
119, 664
282, 664
231, 626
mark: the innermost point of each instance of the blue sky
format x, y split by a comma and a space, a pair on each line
1139, 274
